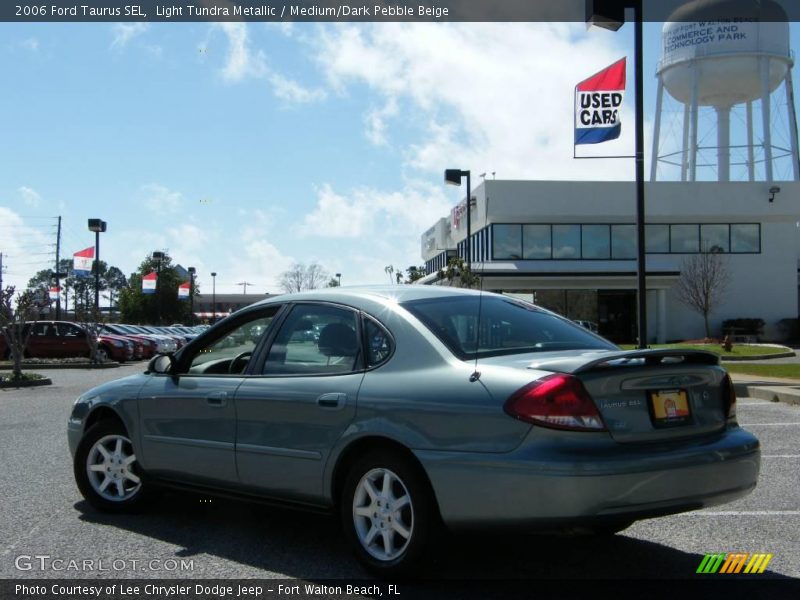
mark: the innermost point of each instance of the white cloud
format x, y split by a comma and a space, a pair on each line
376, 120
241, 62
26, 249
30, 196
31, 44
491, 96
291, 91
125, 32
160, 199
372, 214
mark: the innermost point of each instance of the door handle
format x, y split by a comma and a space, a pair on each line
217, 398
333, 400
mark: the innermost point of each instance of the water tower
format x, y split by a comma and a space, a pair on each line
718, 58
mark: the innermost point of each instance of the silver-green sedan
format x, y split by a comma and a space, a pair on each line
409, 408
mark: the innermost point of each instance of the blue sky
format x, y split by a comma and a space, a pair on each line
243, 148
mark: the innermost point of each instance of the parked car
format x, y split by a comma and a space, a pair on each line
419, 406
63, 339
143, 347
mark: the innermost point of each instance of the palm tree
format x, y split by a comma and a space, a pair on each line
389, 269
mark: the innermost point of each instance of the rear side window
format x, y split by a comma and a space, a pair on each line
506, 326
379, 343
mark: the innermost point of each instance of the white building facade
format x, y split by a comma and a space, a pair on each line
571, 247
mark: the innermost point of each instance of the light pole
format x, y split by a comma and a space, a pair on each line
339, 277
192, 271
158, 256
98, 226
214, 297
453, 177
610, 14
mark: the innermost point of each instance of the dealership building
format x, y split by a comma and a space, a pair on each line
571, 247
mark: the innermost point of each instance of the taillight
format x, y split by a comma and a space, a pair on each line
728, 398
558, 401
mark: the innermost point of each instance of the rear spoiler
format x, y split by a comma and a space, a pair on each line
624, 358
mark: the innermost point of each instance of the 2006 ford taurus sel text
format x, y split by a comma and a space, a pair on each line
407, 407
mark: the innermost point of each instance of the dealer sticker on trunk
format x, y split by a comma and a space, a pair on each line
669, 408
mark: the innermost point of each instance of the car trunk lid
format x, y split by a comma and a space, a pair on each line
648, 395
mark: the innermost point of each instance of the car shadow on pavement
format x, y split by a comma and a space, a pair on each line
228, 538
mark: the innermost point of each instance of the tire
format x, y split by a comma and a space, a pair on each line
102, 355
120, 487
388, 538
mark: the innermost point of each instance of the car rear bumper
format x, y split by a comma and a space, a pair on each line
548, 481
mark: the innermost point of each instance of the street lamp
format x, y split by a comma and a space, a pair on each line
158, 256
339, 277
610, 14
453, 177
192, 271
98, 226
214, 297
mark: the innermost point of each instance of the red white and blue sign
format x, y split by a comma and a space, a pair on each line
54, 291
598, 104
184, 290
149, 283
82, 262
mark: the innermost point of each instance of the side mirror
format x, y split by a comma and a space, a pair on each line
162, 364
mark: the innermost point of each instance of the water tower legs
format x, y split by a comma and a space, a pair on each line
693, 128
751, 154
792, 125
766, 117
656, 130
723, 143
685, 144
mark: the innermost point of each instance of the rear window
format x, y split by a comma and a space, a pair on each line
507, 326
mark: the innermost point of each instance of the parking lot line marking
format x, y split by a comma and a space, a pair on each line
746, 513
767, 424
780, 456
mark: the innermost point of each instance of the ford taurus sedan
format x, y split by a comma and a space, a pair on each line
408, 408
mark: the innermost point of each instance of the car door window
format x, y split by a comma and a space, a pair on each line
315, 340
231, 352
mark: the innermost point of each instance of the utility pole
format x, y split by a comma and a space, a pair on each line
244, 284
58, 273
1, 271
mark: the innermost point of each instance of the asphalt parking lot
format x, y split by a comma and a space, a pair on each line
43, 514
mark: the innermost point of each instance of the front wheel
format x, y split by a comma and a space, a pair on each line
388, 513
106, 469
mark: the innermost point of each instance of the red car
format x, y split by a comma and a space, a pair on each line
62, 339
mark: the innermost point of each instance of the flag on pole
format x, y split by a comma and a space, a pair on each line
82, 262
598, 102
184, 290
149, 283
54, 291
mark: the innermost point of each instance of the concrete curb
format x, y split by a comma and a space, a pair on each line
46, 366
15, 385
788, 394
757, 357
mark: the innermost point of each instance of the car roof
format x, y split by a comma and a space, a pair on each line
395, 293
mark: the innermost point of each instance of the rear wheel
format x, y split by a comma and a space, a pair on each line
388, 513
106, 469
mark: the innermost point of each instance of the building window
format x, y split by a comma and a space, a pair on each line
656, 239
595, 241
507, 240
566, 241
536, 241
684, 239
746, 237
623, 241
714, 238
